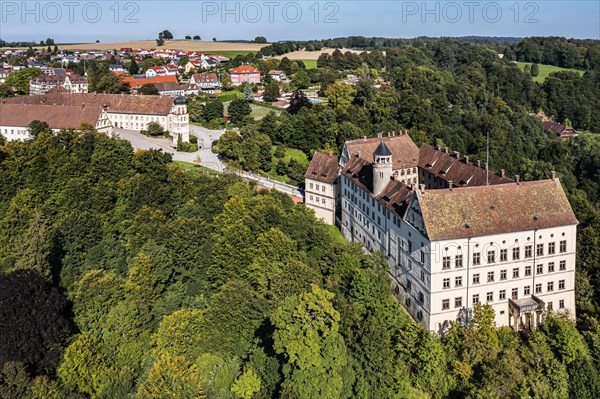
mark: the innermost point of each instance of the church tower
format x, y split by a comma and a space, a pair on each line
382, 168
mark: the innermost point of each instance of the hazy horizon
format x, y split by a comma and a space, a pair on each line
80, 22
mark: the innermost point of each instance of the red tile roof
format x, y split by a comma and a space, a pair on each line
140, 80
245, 69
405, 153
497, 209
56, 116
117, 103
451, 168
323, 168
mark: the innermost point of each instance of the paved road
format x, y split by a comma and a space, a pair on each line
210, 160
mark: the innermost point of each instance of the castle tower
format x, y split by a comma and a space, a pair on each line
382, 168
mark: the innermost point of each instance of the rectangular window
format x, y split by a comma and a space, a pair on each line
491, 257
408, 286
551, 248
516, 272
446, 263
551, 267
514, 293
502, 294
490, 297
476, 278
490, 277
527, 290
540, 250
539, 269
561, 284
446, 283
550, 306
550, 286
458, 302
561, 304
458, 261
475, 298
422, 275
458, 281
445, 304
527, 270
562, 266
503, 274
503, 255
563, 246
421, 297
538, 288
516, 253
528, 251
476, 258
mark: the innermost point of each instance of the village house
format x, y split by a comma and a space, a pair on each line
44, 83
277, 75
208, 81
244, 74
486, 239
137, 81
561, 130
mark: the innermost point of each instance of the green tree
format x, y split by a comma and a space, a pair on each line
301, 80
19, 80
171, 377
307, 335
271, 92
237, 110
213, 110
340, 95
247, 91
148, 90
247, 384
535, 70
133, 68
260, 39
36, 127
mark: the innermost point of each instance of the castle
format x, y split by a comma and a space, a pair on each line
454, 233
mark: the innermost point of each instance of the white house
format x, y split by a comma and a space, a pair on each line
321, 188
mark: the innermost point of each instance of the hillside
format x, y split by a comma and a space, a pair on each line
187, 45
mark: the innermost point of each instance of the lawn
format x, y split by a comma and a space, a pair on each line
310, 64
259, 112
231, 54
546, 70
336, 234
297, 155
195, 168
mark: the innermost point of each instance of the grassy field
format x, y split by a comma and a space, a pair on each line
336, 234
310, 64
546, 70
195, 168
223, 48
259, 112
311, 55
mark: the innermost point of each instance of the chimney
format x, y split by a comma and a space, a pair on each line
379, 135
456, 154
502, 172
389, 134
446, 150
358, 153
517, 178
422, 188
450, 185
486, 165
364, 137
479, 163
553, 175
439, 147
467, 159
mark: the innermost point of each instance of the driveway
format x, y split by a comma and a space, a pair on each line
210, 160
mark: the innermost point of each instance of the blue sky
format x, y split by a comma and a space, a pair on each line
84, 21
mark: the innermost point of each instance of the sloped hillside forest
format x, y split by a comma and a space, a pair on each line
123, 275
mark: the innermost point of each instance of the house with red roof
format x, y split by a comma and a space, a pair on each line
243, 74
